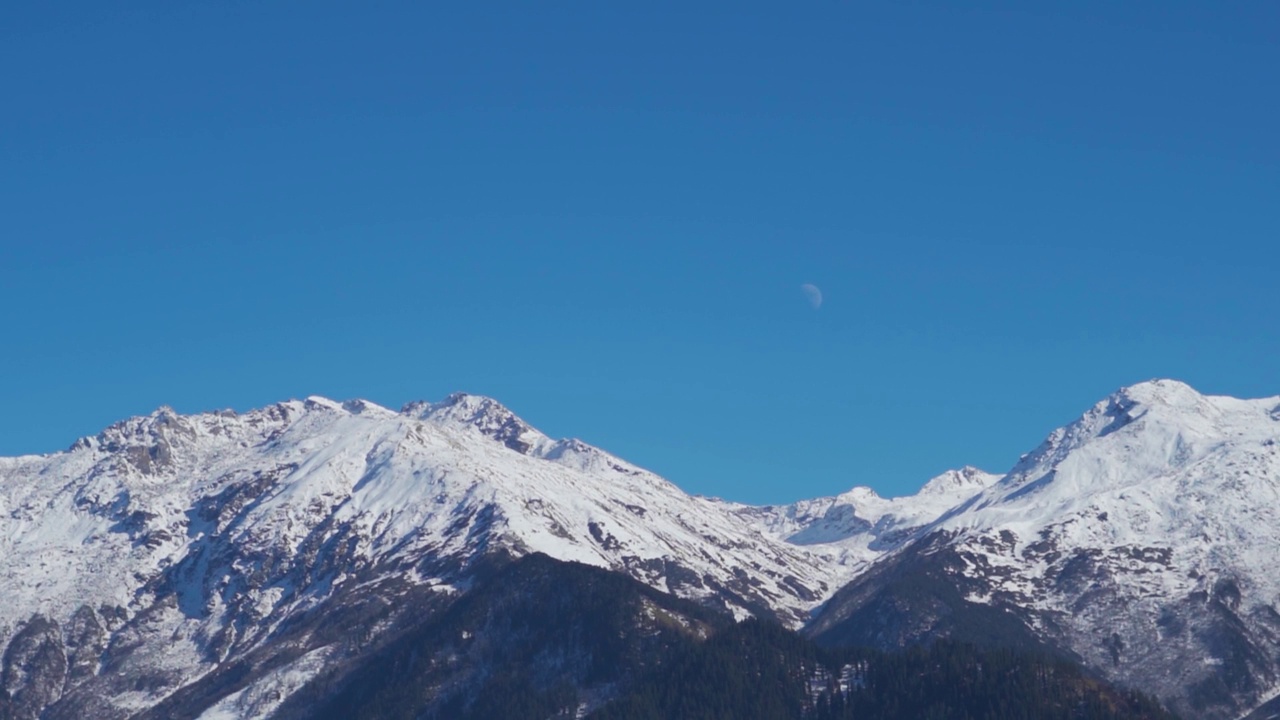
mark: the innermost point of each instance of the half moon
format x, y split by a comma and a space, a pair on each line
812, 294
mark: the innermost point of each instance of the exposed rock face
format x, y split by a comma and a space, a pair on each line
34, 670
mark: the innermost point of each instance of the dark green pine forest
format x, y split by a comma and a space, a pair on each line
541, 639
760, 670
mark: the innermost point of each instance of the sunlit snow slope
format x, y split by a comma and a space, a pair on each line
1143, 537
1147, 533
169, 544
851, 530
170, 551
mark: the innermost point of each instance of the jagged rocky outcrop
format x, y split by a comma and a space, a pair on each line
34, 669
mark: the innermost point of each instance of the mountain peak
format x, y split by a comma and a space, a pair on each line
1161, 435
314, 402
1159, 407
457, 403
1173, 393
967, 478
482, 413
474, 404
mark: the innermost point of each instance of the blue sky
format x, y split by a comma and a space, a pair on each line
602, 216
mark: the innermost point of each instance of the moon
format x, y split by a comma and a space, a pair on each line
812, 294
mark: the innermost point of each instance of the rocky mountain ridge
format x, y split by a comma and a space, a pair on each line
147, 562
168, 546
1144, 539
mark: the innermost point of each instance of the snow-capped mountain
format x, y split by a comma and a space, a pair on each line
851, 530
168, 544
1148, 531
221, 561
1144, 538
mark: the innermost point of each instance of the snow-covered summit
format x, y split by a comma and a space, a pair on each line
1153, 464
963, 483
488, 416
1152, 435
1144, 537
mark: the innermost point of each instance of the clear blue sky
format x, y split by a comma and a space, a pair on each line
602, 215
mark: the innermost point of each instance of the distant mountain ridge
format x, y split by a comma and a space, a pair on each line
1144, 538
148, 561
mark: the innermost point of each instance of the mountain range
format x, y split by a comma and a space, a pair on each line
280, 562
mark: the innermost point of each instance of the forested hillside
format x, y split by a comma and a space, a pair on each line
761, 671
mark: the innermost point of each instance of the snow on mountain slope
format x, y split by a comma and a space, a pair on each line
1153, 463
171, 543
169, 550
1145, 537
855, 528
